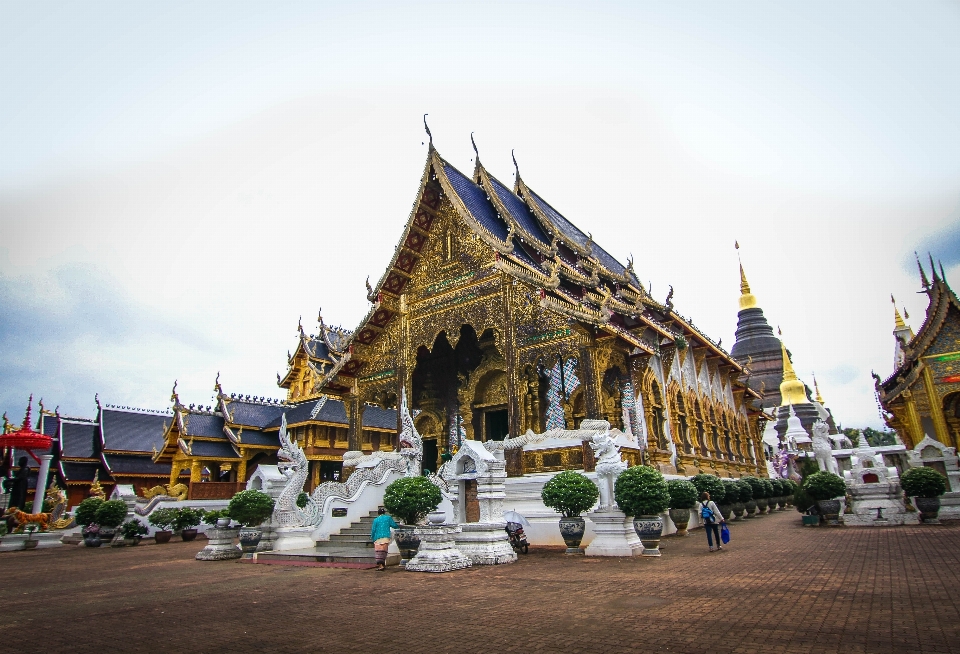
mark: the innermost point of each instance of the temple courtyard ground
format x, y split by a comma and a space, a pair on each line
778, 587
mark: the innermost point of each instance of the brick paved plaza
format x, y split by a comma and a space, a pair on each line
778, 588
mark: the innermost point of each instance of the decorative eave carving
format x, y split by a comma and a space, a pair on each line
526, 273
482, 177
578, 312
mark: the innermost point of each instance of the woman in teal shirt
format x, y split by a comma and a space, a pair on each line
380, 535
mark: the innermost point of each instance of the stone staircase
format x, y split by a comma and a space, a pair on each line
351, 548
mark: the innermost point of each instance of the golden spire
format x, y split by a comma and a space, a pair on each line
816, 387
791, 388
897, 319
747, 299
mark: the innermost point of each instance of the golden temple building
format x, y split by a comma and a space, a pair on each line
922, 396
499, 317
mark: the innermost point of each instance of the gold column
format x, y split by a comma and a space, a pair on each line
242, 466
936, 410
174, 471
195, 471
403, 374
514, 409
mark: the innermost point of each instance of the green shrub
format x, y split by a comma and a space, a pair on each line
731, 492
683, 494
641, 490
133, 528
923, 482
302, 500
86, 511
251, 507
710, 484
187, 518
791, 486
569, 493
824, 485
744, 490
162, 518
759, 490
211, 517
411, 499
778, 488
111, 514
768, 488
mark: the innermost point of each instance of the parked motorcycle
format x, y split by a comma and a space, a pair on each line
518, 539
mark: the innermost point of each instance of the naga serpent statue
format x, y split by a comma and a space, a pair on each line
292, 463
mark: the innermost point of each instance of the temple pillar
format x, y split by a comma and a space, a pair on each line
196, 471
242, 467
591, 385
936, 410
514, 408
355, 418
403, 373
41, 483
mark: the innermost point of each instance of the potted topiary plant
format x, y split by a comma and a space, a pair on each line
162, 519
217, 518
717, 489
110, 515
756, 492
29, 543
640, 491
250, 508
824, 487
683, 497
779, 493
132, 531
86, 516
732, 497
186, 521
926, 485
570, 494
790, 488
745, 497
410, 499
769, 491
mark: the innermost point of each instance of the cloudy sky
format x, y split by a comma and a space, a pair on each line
180, 182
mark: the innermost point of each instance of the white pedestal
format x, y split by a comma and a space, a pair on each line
220, 546
615, 535
293, 538
438, 551
44, 540
485, 543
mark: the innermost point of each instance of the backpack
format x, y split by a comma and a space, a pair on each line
707, 514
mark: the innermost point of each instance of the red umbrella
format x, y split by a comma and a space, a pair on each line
25, 438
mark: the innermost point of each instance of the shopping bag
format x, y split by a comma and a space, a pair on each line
725, 534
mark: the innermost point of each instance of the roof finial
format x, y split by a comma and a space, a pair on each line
933, 268
26, 418
923, 276
475, 151
897, 319
943, 275
515, 166
747, 299
816, 387
426, 127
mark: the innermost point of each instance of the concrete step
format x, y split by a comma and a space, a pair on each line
346, 557
351, 541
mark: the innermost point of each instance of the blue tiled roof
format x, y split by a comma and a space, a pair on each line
257, 437
379, 418
136, 464
48, 425
137, 432
332, 411
571, 231
77, 440
253, 414
317, 348
80, 470
204, 424
475, 199
520, 212
215, 449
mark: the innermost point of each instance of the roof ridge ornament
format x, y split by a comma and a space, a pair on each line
427, 128
923, 275
475, 150
515, 166
933, 268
